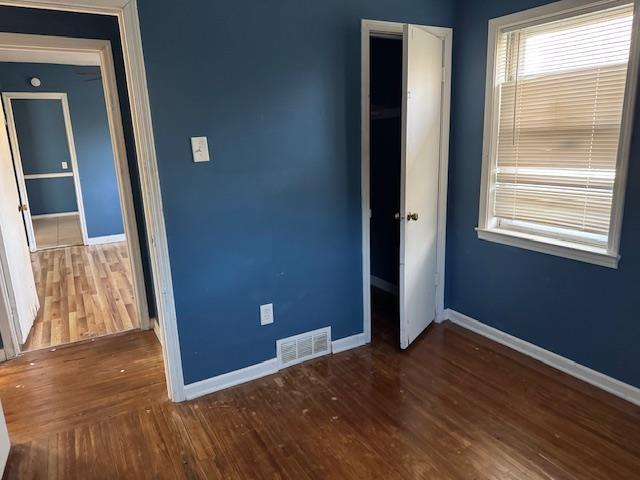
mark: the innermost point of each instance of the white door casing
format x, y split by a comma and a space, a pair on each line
14, 250
420, 172
8, 98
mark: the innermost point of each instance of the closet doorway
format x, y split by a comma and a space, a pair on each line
406, 90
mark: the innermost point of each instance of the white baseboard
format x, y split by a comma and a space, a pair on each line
347, 343
226, 380
586, 374
384, 285
54, 215
3, 355
106, 239
253, 372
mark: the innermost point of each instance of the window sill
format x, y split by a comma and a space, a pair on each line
559, 248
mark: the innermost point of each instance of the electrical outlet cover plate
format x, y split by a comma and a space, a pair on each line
266, 314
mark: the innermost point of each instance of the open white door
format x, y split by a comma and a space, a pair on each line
421, 123
14, 250
21, 185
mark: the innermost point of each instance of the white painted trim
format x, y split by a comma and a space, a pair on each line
486, 224
8, 97
152, 197
377, 28
597, 379
3, 356
550, 246
54, 215
384, 285
127, 13
347, 343
368, 28
74, 166
37, 176
226, 380
262, 369
121, 237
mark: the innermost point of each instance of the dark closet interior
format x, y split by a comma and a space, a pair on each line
385, 151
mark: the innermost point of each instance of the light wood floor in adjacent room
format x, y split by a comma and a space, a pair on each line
53, 232
84, 292
452, 406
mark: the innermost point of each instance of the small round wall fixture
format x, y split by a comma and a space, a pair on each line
35, 81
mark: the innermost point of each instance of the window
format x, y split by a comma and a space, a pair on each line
557, 131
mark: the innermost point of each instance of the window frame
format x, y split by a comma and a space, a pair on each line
487, 224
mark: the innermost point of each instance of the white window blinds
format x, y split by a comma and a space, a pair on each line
560, 92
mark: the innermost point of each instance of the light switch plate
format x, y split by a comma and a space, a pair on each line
266, 314
200, 149
65, 165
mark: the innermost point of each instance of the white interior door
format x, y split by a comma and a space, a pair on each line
421, 123
22, 186
14, 250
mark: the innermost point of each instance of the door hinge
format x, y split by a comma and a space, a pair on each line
444, 74
436, 280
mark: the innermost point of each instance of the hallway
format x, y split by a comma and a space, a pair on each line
84, 292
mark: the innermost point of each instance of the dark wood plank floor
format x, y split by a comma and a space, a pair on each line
44, 392
453, 406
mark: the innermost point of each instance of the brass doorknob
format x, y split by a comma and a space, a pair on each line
412, 216
397, 216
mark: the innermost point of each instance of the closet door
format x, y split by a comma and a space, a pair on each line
421, 123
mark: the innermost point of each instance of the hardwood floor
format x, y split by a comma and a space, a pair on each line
44, 392
84, 292
453, 406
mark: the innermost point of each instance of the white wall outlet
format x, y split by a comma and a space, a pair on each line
266, 314
200, 149
65, 165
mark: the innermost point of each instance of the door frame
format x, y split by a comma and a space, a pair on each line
376, 28
7, 98
100, 50
126, 12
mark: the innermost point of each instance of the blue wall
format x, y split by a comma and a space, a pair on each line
51, 195
40, 134
42, 140
584, 312
275, 217
77, 25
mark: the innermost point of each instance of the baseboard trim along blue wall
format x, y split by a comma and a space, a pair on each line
259, 370
600, 380
580, 311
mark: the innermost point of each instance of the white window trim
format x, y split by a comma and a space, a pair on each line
487, 230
